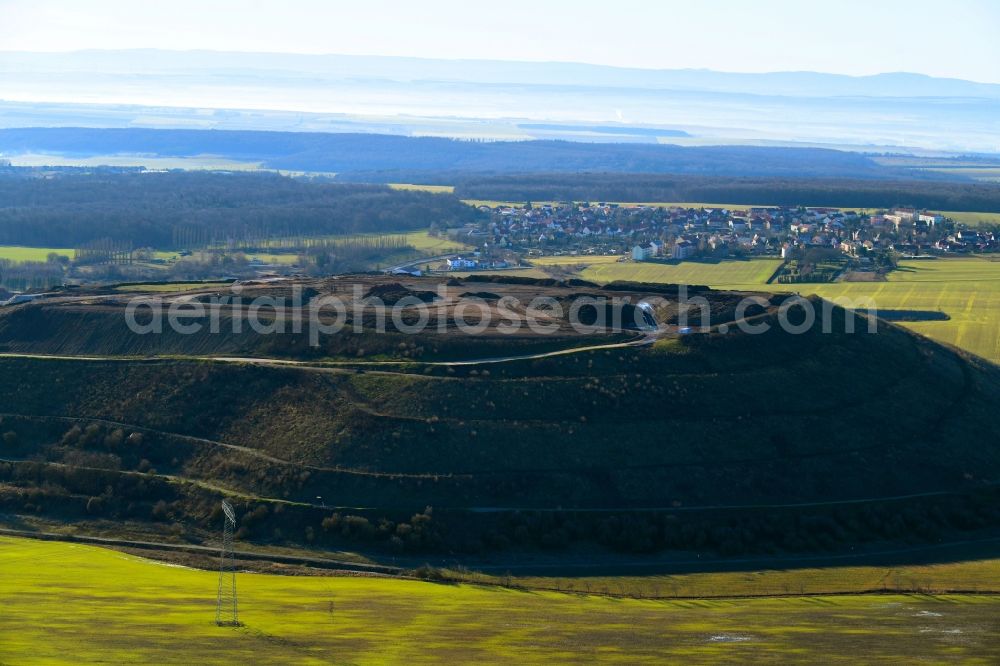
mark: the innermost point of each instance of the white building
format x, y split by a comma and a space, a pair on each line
459, 264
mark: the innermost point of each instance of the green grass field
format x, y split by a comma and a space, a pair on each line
973, 219
967, 289
434, 189
19, 254
722, 275
421, 241
75, 604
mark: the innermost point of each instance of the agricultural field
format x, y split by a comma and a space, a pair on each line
749, 274
18, 254
420, 240
424, 242
434, 189
86, 605
973, 219
281, 259
966, 289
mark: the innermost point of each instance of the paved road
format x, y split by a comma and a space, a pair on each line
422, 260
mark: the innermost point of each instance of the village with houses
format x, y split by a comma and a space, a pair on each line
865, 240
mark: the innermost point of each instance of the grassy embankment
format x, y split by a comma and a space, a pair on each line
972, 576
79, 604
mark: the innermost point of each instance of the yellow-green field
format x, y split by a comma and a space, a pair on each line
19, 254
745, 275
421, 241
966, 289
972, 219
282, 259
75, 604
435, 189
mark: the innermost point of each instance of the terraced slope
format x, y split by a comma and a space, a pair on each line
732, 443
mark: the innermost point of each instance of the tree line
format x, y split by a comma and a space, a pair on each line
836, 192
185, 210
389, 158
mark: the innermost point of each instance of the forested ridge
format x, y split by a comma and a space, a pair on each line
846, 193
390, 158
159, 209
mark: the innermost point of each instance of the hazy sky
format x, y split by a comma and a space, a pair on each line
955, 38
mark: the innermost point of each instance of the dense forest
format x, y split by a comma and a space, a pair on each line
177, 210
388, 158
847, 193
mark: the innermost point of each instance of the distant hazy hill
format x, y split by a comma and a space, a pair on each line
495, 99
332, 67
395, 158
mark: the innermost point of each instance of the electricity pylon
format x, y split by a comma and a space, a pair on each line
226, 614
